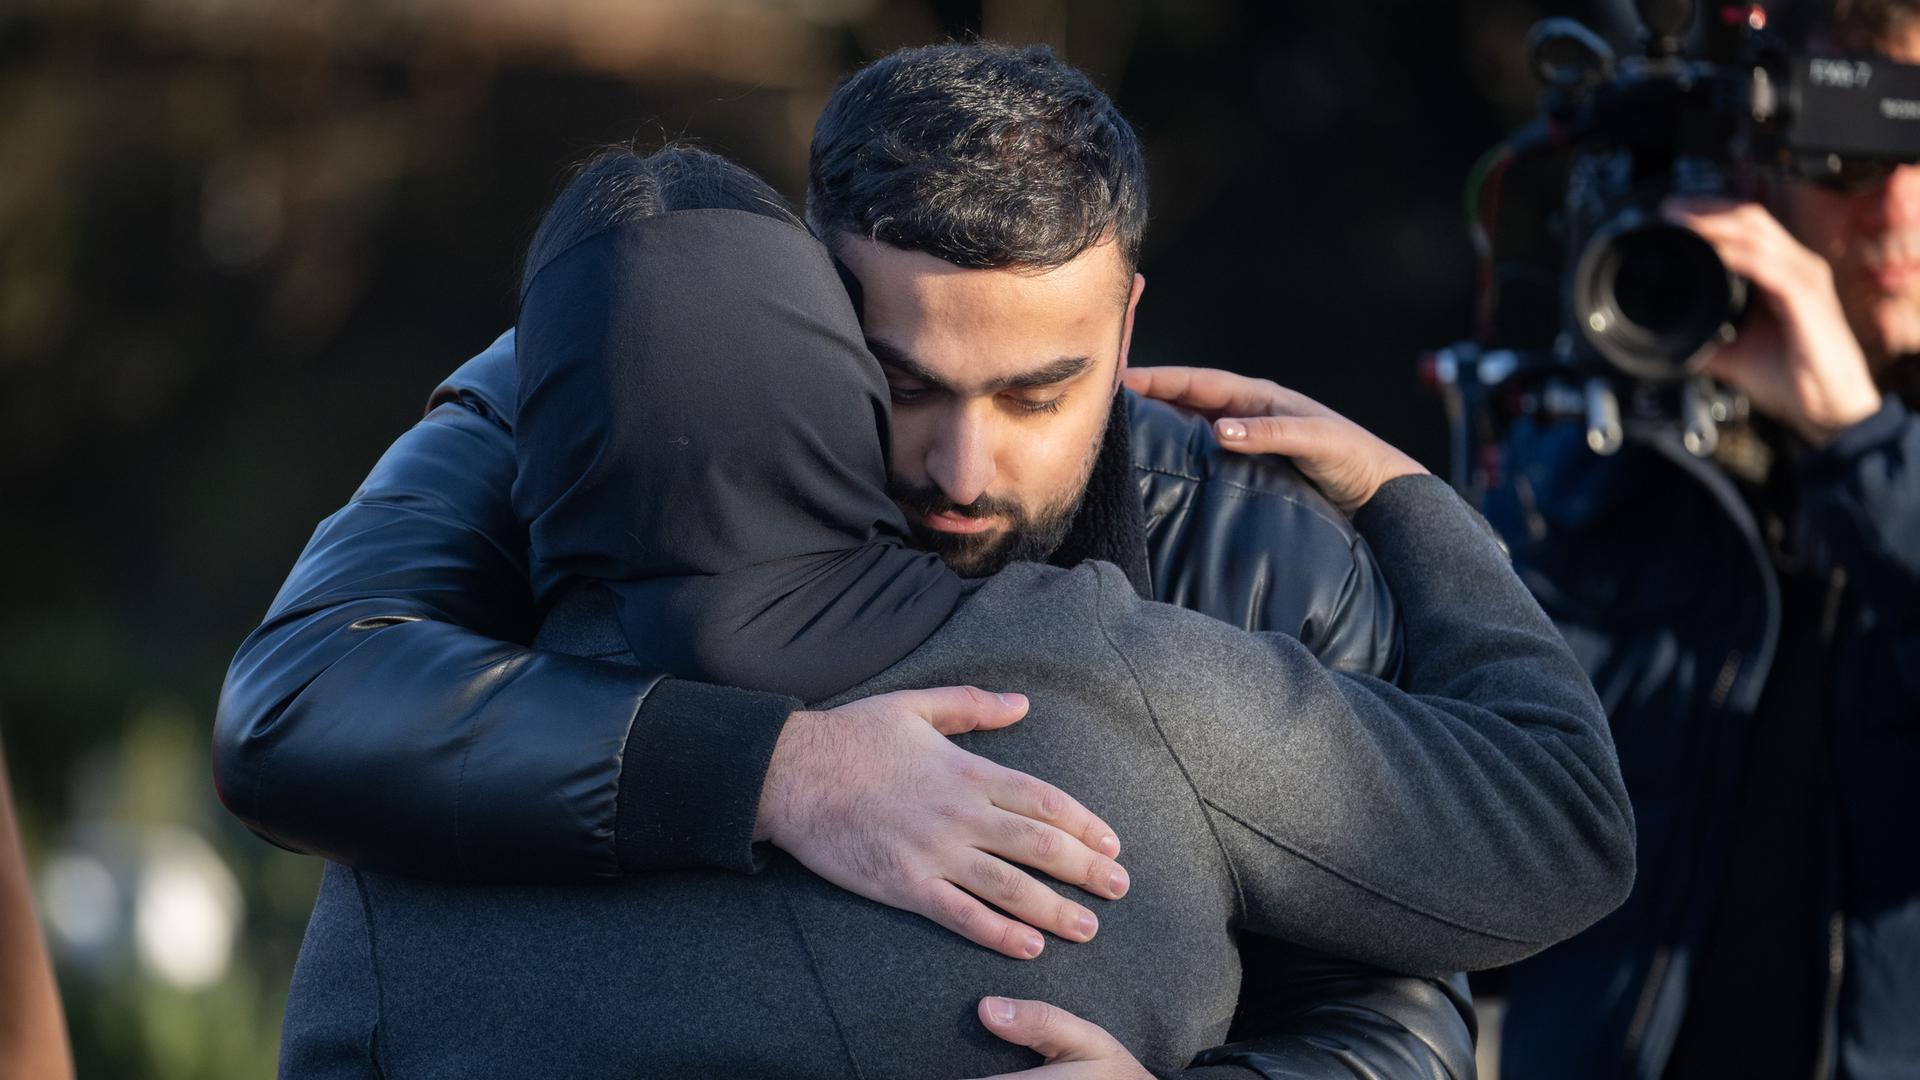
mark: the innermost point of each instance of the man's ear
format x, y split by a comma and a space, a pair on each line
1126, 327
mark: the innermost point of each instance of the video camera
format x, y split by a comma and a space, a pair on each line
1592, 305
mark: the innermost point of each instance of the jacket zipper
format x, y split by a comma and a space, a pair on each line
1649, 990
1824, 1061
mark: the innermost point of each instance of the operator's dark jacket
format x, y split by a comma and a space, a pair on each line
1652, 566
446, 749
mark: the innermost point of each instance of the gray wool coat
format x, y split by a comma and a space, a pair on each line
1467, 820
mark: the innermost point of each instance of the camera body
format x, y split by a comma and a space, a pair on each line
1649, 298
1594, 306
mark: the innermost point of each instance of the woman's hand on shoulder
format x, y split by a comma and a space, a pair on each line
1345, 461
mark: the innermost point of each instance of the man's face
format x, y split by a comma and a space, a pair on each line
1002, 383
1872, 240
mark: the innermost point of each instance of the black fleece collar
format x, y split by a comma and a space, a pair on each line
1111, 523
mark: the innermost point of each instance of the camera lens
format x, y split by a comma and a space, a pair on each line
1652, 297
1657, 286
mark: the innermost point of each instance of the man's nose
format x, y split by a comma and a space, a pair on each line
960, 459
1898, 203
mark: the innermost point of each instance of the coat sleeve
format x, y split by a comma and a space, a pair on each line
1862, 492
1471, 818
1247, 540
385, 716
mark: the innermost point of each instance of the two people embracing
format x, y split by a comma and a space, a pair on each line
632, 699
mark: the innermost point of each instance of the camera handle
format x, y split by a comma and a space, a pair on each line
1482, 390
1702, 407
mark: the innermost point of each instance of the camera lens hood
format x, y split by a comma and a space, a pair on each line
1653, 298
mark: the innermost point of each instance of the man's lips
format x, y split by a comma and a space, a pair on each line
949, 522
1896, 275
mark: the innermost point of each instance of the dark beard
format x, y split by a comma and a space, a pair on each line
1026, 538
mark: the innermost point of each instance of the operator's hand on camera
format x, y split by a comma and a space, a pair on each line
1075, 1049
1345, 461
1795, 358
875, 798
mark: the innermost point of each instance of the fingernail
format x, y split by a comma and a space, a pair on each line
1110, 844
1117, 882
1089, 925
1232, 429
1000, 1010
1013, 701
1034, 945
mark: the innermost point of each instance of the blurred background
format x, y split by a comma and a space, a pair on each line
241, 240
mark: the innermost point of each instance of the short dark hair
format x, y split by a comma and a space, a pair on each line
983, 155
620, 185
1857, 24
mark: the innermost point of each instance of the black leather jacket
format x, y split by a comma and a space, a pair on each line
386, 715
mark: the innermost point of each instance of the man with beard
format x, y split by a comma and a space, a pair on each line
985, 202
1753, 626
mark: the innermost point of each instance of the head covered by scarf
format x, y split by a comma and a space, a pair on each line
702, 431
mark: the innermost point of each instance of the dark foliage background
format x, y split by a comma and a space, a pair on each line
241, 240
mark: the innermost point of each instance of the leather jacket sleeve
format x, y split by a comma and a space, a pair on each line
1328, 1017
384, 715
1307, 1015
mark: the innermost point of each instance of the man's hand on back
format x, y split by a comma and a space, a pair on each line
1345, 461
873, 797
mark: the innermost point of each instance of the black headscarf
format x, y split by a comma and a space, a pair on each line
702, 430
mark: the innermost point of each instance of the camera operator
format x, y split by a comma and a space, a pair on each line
1753, 624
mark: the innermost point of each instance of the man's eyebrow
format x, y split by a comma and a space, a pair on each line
895, 358
1057, 370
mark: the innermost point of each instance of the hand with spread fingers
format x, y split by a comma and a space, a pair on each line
1345, 461
1795, 358
874, 798
1075, 1049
